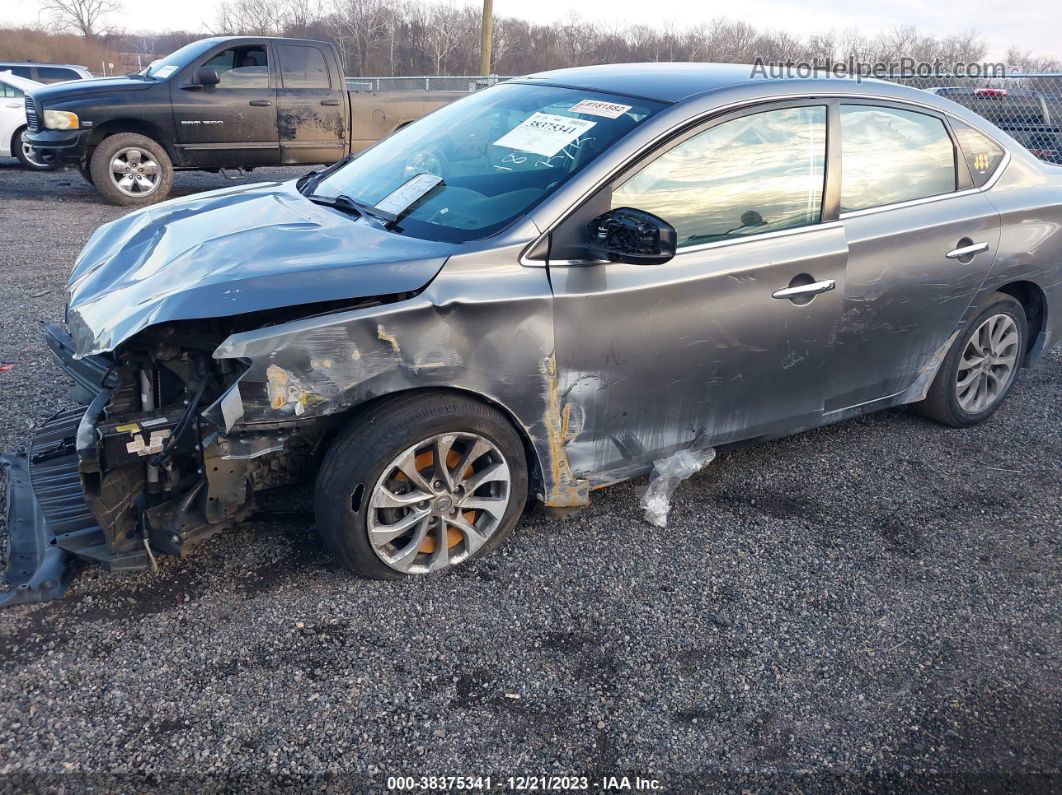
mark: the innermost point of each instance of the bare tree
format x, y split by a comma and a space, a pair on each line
82, 16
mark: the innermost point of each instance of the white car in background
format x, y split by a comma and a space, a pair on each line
13, 120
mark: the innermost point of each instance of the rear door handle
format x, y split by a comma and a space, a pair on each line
806, 289
967, 251
329, 101
260, 103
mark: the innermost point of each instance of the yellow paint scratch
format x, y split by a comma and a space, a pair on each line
381, 333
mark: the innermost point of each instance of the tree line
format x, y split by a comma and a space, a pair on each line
413, 37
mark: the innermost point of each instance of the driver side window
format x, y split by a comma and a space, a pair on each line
241, 67
758, 173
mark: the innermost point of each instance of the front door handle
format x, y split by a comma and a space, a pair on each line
329, 101
804, 290
260, 103
967, 251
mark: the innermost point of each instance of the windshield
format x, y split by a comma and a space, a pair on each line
499, 153
164, 67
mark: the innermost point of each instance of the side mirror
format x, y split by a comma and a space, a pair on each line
205, 76
632, 236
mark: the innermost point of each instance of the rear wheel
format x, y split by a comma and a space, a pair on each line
420, 484
21, 149
981, 367
131, 169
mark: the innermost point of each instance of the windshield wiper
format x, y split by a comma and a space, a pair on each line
345, 204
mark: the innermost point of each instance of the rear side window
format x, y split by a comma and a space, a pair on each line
890, 155
55, 74
981, 153
9, 92
303, 67
18, 71
758, 173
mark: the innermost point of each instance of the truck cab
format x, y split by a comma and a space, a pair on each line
232, 102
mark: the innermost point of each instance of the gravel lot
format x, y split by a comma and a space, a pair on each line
874, 603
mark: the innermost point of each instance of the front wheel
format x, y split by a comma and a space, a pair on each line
981, 366
131, 170
24, 152
420, 484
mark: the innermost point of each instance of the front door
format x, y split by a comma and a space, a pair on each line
727, 341
311, 110
907, 213
233, 123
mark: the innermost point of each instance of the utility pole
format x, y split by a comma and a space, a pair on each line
486, 35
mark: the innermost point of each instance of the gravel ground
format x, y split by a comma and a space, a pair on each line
871, 604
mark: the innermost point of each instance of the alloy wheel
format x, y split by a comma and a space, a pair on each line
438, 502
134, 171
988, 365
27, 152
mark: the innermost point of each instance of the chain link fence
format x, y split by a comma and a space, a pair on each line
1027, 106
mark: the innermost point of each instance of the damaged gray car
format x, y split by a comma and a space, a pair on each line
529, 294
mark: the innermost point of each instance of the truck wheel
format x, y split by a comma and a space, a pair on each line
131, 169
25, 155
419, 484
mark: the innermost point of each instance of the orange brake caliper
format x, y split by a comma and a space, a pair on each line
423, 462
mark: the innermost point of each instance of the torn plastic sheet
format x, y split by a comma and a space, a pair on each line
666, 475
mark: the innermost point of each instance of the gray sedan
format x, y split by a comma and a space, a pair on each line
529, 294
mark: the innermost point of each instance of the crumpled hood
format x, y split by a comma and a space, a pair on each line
230, 252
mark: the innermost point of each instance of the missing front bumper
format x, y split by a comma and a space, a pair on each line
44, 502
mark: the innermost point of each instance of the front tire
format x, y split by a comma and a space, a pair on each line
21, 149
387, 510
981, 367
131, 170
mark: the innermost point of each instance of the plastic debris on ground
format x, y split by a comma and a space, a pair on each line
666, 475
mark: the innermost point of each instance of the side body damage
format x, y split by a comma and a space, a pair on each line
221, 343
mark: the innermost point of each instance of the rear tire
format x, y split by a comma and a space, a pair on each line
131, 170
18, 149
360, 478
970, 387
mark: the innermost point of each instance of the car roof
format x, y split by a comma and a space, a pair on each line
39, 63
676, 82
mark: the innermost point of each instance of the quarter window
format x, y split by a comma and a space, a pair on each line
758, 173
9, 92
981, 153
890, 155
303, 67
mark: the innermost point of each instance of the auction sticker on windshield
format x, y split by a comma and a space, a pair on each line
544, 133
595, 107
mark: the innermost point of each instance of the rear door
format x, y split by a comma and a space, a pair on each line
908, 205
235, 122
312, 113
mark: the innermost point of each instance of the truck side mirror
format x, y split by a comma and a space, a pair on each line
632, 236
205, 76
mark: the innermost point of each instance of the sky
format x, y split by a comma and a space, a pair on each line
1026, 24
